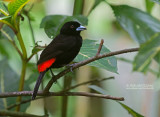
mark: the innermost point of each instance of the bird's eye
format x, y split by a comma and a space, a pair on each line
71, 26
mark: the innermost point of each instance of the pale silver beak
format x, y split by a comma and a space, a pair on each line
81, 28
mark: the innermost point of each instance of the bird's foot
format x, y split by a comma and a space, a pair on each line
71, 66
53, 76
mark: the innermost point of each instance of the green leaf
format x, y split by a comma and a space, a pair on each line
15, 6
8, 83
130, 110
53, 23
32, 68
89, 49
32, 78
98, 89
7, 33
96, 3
140, 25
4, 17
149, 6
157, 1
149, 69
3, 9
157, 57
125, 60
7, 20
36, 49
3, 51
147, 52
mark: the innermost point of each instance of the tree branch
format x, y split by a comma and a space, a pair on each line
17, 114
87, 82
70, 88
41, 93
100, 47
82, 63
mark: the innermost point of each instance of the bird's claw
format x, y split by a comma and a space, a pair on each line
71, 66
53, 76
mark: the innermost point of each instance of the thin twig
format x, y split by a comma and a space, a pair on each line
15, 46
29, 58
22, 102
17, 114
41, 93
100, 47
32, 33
12, 42
87, 82
82, 63
26, 12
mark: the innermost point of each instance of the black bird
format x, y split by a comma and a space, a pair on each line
61, 51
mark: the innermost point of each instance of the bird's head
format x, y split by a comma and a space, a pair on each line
72, 28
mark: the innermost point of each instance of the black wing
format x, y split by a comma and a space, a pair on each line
58, 46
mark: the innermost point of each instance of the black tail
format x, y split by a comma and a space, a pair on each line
37, 84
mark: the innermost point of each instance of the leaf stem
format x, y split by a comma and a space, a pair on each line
32, 32
12, 42
21, 83
78, 7
24, 65
19, 37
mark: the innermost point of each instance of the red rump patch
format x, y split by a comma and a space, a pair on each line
43, 66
